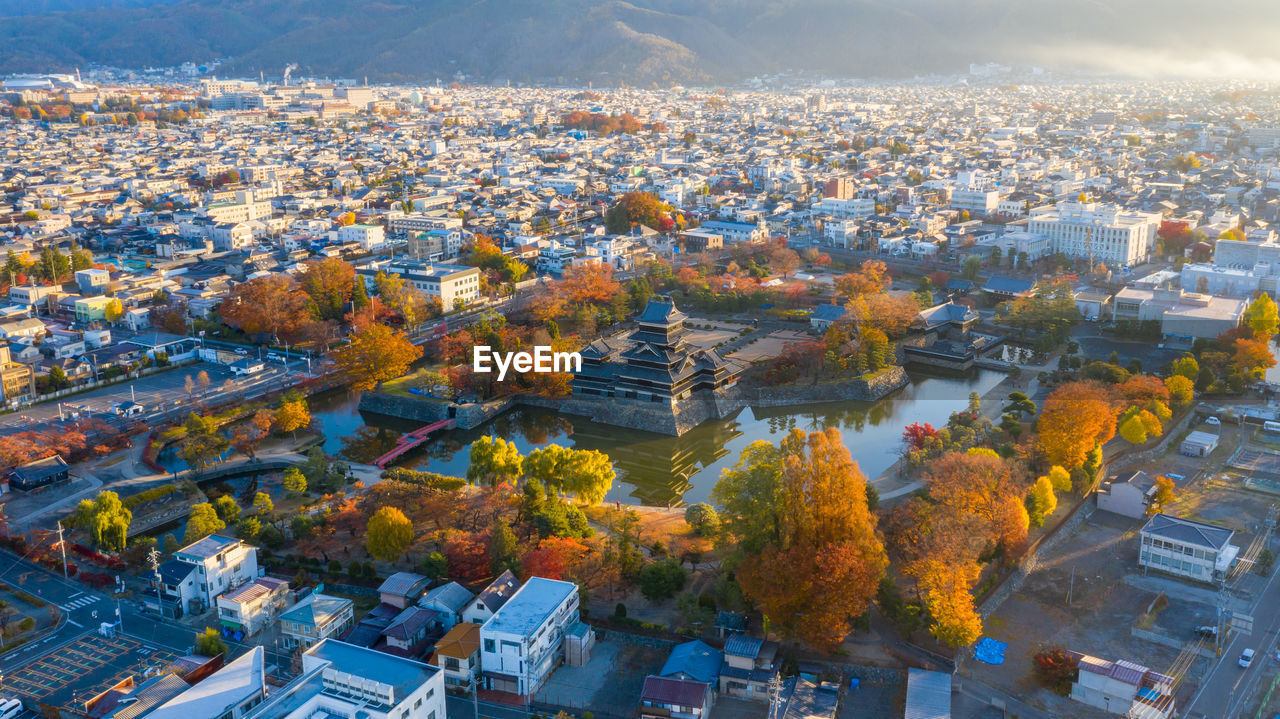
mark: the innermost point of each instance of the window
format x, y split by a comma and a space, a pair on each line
488, 646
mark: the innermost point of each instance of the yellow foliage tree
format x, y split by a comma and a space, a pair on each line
292, 416
1133, 430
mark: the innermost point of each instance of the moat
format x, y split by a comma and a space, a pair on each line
658, 469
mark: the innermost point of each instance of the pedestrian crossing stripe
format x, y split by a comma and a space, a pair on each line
77, 603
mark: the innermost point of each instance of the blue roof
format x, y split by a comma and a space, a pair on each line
1009, 285
741, 645
830, 313
959, 283
696, 659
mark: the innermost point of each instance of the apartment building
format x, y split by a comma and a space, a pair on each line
314, 619
451, 283
249, 608
220, 563
17, 380
522, 643
369, 237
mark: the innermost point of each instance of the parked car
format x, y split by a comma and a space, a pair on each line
1213, 421
1207, 631
10, 707
1246, 658
241, 351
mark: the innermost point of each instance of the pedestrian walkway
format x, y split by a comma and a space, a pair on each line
74, 603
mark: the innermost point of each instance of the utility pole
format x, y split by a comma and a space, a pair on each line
63, 547
153, 557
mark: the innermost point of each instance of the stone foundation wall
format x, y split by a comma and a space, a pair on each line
865, 390
467, 416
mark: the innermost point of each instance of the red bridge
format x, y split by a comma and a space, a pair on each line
411, 440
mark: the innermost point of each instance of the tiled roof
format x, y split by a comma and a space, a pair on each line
1187, 531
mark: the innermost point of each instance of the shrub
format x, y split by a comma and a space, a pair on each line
1055, 669
662, 579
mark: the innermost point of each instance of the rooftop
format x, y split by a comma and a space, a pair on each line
210, 546
226, 688
531, 606
1188, 531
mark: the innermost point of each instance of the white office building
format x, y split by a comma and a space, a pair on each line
221, 563
1110, 235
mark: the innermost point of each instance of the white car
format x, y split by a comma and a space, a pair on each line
1246, 658
10, 707
1213, 421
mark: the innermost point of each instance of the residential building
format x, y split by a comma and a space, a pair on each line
232, 692
93, 309
749, 668
1123, 687
403, 589
17, 329
249, 608
221, 563
17, 380
694, 661
93, 282
488, 602
928, 695
521, 644
177, 588
662, 697
450, 600
802, 699
314, 618
369, 237
1187, 548
1130, 494
343, 680
852, 208
458, 654
737, 233
979, 201
1105, 233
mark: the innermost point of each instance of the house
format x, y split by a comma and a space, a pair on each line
14, 329
1129, 495
247, 366
93, 309
450, 599
694, 661
1123, 687
521, 643
249, 608
826, 315
1187, 548
343, 680
221, 563
409, 631
137, 319
458, 654
802, 699
676, 698
488, 602
749, 667
232, 692
177, 589
40, 473
1199, 444
17, 380
315, 618
928, 695
403, 589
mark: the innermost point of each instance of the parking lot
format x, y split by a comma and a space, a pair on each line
83, 669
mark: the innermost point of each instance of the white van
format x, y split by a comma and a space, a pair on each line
9, 708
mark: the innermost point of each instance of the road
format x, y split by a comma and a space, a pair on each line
1229, 687
163, 394
83, 609
457, 707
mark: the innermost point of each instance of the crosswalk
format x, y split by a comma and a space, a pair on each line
78, 603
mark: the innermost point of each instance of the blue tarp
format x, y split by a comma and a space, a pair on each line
989, 651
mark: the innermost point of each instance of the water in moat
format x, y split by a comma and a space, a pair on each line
657, 469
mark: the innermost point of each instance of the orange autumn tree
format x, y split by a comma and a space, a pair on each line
1076, 418
376, 354
827, 561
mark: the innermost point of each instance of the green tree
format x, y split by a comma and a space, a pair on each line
202, 522
227, 509
434, 566
1262, 317
106, 520
388, 534
1020, 404
703, 518
262, 504
248, 528
748, 495
1041, 501
662, 579
294, 481
504, 551
494, 461
209, 643
300, 526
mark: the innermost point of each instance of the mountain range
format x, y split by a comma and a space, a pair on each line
642, 41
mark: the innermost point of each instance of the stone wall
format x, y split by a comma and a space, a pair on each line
467, 416
865, 389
